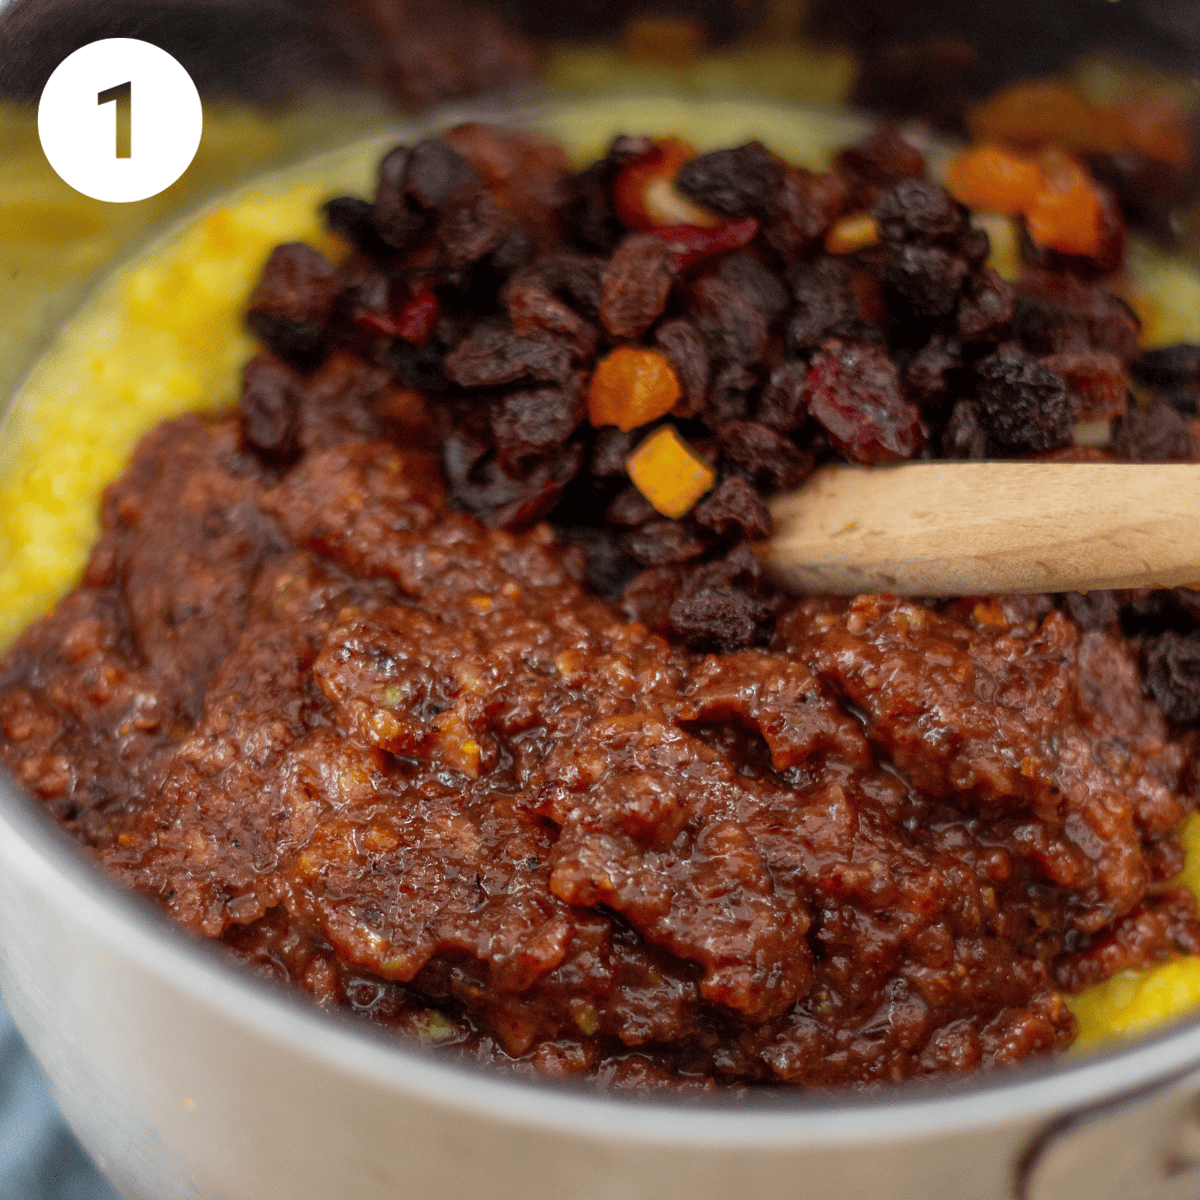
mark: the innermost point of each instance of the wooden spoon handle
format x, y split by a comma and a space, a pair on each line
962, 529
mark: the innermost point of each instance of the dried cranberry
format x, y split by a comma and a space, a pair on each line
854, 392
769, 461
291, 307
1172, 673
1157, 434
1023, 407
735, 183
733, 509
635, 286
691, 244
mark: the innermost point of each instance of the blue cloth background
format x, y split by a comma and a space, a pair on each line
39, 1158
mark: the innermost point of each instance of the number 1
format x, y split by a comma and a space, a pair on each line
123, 95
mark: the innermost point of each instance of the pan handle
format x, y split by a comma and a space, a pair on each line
1145, 1147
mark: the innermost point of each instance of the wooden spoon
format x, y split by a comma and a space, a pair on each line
963, 529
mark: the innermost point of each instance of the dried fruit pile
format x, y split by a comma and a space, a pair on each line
643, 352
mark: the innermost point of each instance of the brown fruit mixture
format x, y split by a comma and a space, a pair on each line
397, 684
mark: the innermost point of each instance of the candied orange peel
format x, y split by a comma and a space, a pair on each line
669, 473
631, 387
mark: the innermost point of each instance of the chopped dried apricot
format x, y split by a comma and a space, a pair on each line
855, 232
669, 473
990, 178
631, 387
1034, 115
644, 193
1067, 215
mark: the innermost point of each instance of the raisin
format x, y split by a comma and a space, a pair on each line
575, 277
729, 398
1172, 674
931, 79
783, 405
757, 280
681, 342
985, 311
928, 278
733, 509
1023, 407
854, 392
609, 568
268, 404
880, 159
1060, 312
918, 210
1096, 381
929, 376
1171, 367
736, 183
292, 305
517, 249
1147, 189
494, 354
435, 173
964, 436
535, 311
396, 218
1157, 434
588, 213
635, 286
1182, 400
470, 230
736, 328
804, 208
610, 450
354, 219
496, 497
1092, 610
630, 509
826, 304
716, 619
663, 542
529, 424
769, 461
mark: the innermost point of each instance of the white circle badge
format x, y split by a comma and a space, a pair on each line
120, 120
